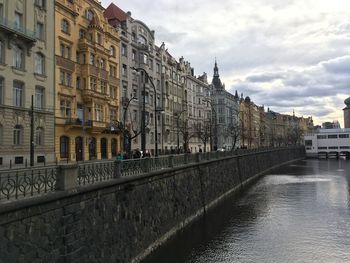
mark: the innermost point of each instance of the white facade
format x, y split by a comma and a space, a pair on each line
327, 140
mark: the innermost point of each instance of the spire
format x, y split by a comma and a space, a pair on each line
236, 95
216, 78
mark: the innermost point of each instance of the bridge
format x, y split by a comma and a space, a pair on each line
119, 211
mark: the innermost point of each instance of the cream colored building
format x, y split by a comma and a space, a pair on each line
87, 82
26, 70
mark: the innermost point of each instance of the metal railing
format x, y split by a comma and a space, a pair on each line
15, 27
15, 184
20, 183
89, 173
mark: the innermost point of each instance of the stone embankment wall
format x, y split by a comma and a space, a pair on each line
124, 219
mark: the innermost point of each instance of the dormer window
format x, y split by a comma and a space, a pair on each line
89, 14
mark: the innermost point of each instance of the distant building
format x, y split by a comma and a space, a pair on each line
225, 107
347, 113
331, 125
328, 141
26, 70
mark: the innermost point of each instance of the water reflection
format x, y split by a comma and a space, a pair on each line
299, 213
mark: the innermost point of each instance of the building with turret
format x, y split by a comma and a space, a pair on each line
225, 113
87, 82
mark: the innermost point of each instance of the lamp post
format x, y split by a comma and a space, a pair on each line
124, 131
177, 126
143, 124
215, 127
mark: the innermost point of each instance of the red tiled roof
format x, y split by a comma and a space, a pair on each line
113, 12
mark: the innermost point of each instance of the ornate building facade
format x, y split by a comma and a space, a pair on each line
225, 112
87, 82
26, 72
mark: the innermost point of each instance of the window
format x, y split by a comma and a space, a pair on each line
64, 26
39, 136
99, 38
18, 94
113, 115
308, 142
112, 51
18, 20
92, 59
103, 63
158, 68
344, 147
39, 63
150, 64
1, 134
125, 70
89, 15
65, 78
332, 136
340, 135
65, 108
113, 92
78, 83
322, 148
2, 52
39, 31
333, 147
93, 83
64, 146
112, 71
39, 97
103, 86
2, 88
124, 50
133, 55
82, 33
17, 135
18, 57
321, 136
144, 58
98, 112
141, 40
40, 3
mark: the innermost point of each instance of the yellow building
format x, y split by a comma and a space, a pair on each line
87, 53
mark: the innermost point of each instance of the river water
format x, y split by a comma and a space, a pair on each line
298, 213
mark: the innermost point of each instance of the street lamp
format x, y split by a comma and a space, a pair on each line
215, 126
178, 114
143, 124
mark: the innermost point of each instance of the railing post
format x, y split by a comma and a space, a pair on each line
146, 164
67, 177
198, 157
117, 169
171, 161
186, 158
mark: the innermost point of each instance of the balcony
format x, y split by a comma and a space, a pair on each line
76, 122
88, 70
89, 95
113, 81
96, 126
12, 28
65, 63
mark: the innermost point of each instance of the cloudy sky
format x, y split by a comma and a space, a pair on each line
285, 54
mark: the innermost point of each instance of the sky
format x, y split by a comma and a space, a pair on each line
284, 54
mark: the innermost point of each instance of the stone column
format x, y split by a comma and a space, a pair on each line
67, 177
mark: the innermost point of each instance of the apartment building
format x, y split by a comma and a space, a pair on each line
26, 82
87, 82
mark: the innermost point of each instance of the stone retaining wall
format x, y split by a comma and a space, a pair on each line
124, 219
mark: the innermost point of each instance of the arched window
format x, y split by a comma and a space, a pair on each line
65, 26
89, 14
114, 147
112, 51
39, 63
64, 146
92, 148
39, 136
17, 135
18, 57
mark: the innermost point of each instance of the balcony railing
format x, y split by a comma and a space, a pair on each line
19, 30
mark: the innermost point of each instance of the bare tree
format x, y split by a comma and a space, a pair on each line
202, 130
186, 131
